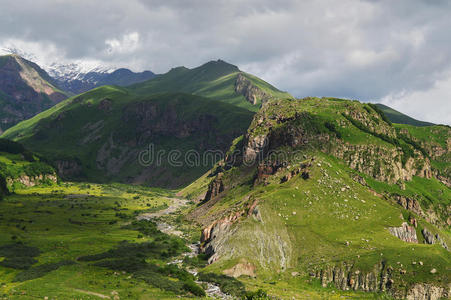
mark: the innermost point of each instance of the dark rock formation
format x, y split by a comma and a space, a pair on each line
429, 238
215, 187
68, 168
410, 204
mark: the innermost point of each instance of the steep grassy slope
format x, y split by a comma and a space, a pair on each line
216, 80
400, 118
99, 135
318, 191
25, 90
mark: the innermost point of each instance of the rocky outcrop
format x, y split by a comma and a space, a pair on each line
422, 291
251, 92
405, 232
345, 277
429, 238
214, 236
29, 181
152, 120
215, 187
410, 204
381, 279
255, 148
302, 170
68, 168
381, 163
271, 130
265, 170
445, 180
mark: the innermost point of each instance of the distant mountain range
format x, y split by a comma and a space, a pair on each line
26, 89
73, 80
97, 135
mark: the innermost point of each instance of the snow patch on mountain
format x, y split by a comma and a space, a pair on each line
65, 71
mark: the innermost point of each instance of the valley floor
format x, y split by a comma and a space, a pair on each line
50, 238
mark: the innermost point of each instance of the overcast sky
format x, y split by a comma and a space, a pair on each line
395, 52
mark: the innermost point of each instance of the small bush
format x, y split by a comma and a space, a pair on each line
19, 262
258, 295
41, 270
193, 288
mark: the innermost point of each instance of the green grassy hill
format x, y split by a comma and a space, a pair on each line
400, 118
312, 198
98, 136
216, 80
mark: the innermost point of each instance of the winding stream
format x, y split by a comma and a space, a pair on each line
212, 290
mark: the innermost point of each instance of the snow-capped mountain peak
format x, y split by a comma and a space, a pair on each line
79, 76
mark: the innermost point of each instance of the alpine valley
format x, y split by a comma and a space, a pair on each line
266, 197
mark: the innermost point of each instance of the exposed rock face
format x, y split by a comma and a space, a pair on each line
423, 291
405, 232
215, 187
410, 204
346, 277
302, 169
216, 234
381, 163
29, 181
445, 180
264, 170
271, 248
384, 163
255, 148
429, 238
152, 120
68, 168
252, 93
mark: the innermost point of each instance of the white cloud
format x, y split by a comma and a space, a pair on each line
433, 105
367, 50
129, 43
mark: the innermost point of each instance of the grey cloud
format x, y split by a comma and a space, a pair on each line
367, 50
